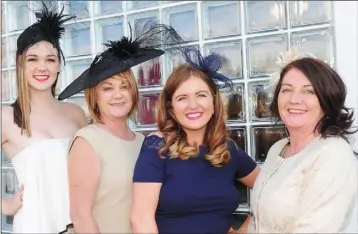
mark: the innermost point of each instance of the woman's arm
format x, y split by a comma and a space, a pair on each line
12, 205
84, 170
144, 205
147, 182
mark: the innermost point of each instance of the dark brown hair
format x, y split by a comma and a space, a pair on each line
215, 138
331, 93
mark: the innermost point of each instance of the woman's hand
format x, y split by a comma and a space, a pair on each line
11, 206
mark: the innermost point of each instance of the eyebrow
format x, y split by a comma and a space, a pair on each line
201, 91
34, 55
292, 85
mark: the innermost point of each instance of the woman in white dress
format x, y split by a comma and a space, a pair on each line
37, 129
308, 183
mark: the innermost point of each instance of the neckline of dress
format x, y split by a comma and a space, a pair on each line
38, 141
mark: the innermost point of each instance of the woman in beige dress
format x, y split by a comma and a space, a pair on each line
308, 183
103, 154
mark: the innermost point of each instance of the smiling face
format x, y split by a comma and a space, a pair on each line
192, 104
114, 97
298, 104
42, 66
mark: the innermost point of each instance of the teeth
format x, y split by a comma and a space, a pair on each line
41, 77
296, 111
194, 115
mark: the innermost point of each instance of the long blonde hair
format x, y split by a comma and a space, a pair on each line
21, 105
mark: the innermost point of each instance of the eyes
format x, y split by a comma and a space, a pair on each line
305, 90
51, 60
110, 88
200, 95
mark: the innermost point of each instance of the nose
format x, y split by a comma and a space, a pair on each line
296, 97
192, 103
118, 93
42, 66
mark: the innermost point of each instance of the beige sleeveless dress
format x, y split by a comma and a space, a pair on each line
112, 204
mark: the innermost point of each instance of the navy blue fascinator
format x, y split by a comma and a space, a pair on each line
210, 65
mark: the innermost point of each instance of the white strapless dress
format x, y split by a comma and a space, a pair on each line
42, 168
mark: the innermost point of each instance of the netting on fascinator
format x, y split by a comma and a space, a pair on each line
123, 54
282, 61
210, 65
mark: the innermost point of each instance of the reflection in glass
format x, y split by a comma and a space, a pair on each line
215, 24
149, 73
263, 54
239, 137
237, 220
5, 86
233, 103
175, 59
108, 30
317, 43
3, 52
243, 193
260, 101
79, 8
4, 159
310, 12
9, 183
108, 7
265, 15
147, 108
19, 11
12, 48
141, 4
264, 138
76, 68
184, 21
232, 58
78, 39
141, 23
3, 19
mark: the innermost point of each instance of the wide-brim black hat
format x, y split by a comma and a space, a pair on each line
124, 54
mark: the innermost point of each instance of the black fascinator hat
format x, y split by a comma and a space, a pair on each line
124, 54
49, 27
210, 65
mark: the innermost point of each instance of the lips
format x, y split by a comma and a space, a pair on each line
117, 104
41, 78
296, 111
194, 115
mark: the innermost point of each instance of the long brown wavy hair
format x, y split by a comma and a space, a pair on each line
215, 138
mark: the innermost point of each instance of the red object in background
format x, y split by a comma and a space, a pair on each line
147, 109
151, 76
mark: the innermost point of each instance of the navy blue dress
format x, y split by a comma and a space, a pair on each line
195, 196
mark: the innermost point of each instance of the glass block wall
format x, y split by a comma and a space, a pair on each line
249, 34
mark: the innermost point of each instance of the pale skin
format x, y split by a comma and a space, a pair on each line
41, 62
114, 102
193, 97
299, 109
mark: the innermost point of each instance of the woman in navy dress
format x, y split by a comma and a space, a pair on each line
184, 176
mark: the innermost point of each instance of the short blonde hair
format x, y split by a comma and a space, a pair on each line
91, 97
